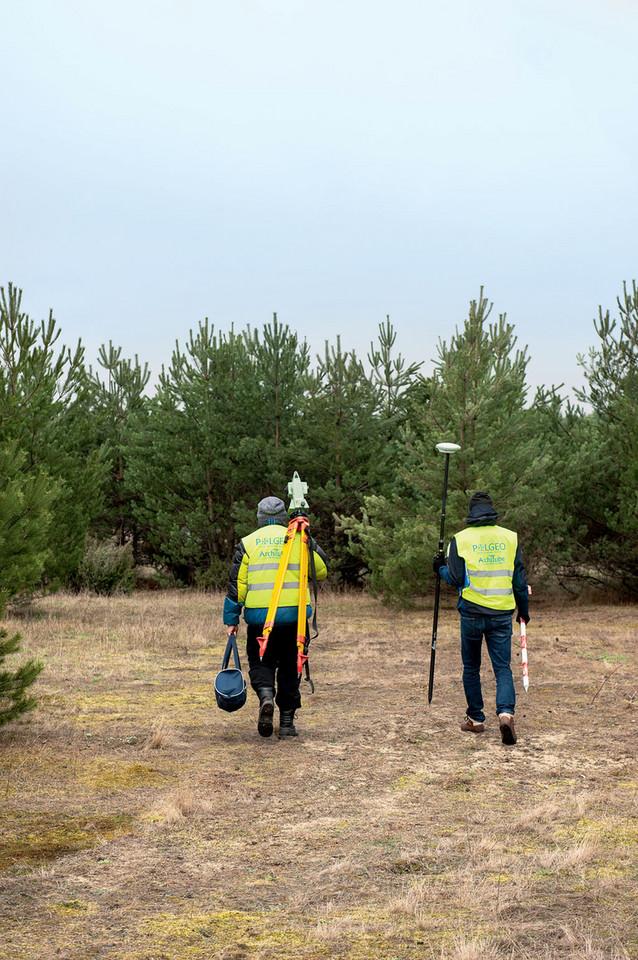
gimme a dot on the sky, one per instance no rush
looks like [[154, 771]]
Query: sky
[[334, 161]]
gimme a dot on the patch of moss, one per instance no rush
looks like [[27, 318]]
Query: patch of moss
[[102, 774], [73, 908], [28, 839], [607, 871], [620, 833], [357, 935], [196, 935], [97, 707], [413, 781]]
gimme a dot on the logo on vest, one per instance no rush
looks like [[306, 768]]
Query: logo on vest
[[269, 540], [490, 554]]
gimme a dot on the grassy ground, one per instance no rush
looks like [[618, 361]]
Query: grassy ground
[[140, 822]]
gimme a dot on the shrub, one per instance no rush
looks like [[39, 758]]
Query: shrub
[[106, 568], [215, 576]]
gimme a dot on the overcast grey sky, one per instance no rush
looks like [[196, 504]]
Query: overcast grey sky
[[334, 161]]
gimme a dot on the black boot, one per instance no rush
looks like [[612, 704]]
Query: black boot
[[266, 710], [287, 727]]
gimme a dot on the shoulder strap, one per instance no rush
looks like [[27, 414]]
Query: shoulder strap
[[313, 577]]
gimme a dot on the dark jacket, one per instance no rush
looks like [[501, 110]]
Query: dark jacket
[[484, 515]]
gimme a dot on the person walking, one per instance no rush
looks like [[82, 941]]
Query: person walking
[[485, 563], [250, 585]]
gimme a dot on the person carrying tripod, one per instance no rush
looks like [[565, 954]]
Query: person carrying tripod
[[485, 563], [250, 586]]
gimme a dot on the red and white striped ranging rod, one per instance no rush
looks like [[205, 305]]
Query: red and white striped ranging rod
[[524, 656], [524, 650]]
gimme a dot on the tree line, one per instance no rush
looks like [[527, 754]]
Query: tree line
[[97, 463]]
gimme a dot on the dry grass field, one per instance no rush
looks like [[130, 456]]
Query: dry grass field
[[140, 822]]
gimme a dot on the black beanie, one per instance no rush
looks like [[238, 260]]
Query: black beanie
[[481, 496]]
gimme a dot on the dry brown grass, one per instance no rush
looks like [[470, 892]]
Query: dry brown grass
[[139, 822]]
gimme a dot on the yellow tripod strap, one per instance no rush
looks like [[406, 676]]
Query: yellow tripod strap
[[296, 525]]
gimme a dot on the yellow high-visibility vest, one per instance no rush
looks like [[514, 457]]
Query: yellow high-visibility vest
[[256, 577], [489, 554]]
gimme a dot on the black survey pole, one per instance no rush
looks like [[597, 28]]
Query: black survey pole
[[447, 449]]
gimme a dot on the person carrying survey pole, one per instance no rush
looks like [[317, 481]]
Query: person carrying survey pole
[[485, 563], [269, 580]]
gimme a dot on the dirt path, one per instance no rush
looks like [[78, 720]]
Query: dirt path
[[141, 822]]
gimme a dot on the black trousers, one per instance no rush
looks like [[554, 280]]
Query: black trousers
[[280, 661]]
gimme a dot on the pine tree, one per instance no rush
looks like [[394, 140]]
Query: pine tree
[[575, 443], [44, 409], [194, 452], [602, 474], [390, 375], [477, 398], [343, 438], [281, 364], [116, 396], [26, 503], [14, 684]]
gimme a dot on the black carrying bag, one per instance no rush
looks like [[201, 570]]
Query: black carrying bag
[[230, 686]]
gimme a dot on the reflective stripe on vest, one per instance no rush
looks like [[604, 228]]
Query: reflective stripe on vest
[[271, 586], [263, 549], [489, 554]]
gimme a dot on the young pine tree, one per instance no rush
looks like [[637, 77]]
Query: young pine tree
[[476, 398], [14, 684], [281, 362], [605, 508], [26, 503], [116, 396], [343, 440], [192, 453], [44, 409]]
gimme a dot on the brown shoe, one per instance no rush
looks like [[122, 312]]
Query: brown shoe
[[472, 726], [508, 733]]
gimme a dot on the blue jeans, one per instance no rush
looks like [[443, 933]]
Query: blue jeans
[[497, 631]]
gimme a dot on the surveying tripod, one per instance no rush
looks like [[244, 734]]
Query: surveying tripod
[[297, 526]]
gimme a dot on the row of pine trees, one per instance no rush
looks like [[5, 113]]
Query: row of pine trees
[[100, 459]]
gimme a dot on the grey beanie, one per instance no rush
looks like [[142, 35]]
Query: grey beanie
[[271, 510]]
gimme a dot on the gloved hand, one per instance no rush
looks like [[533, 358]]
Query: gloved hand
[[438, 561], [524, 619]]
